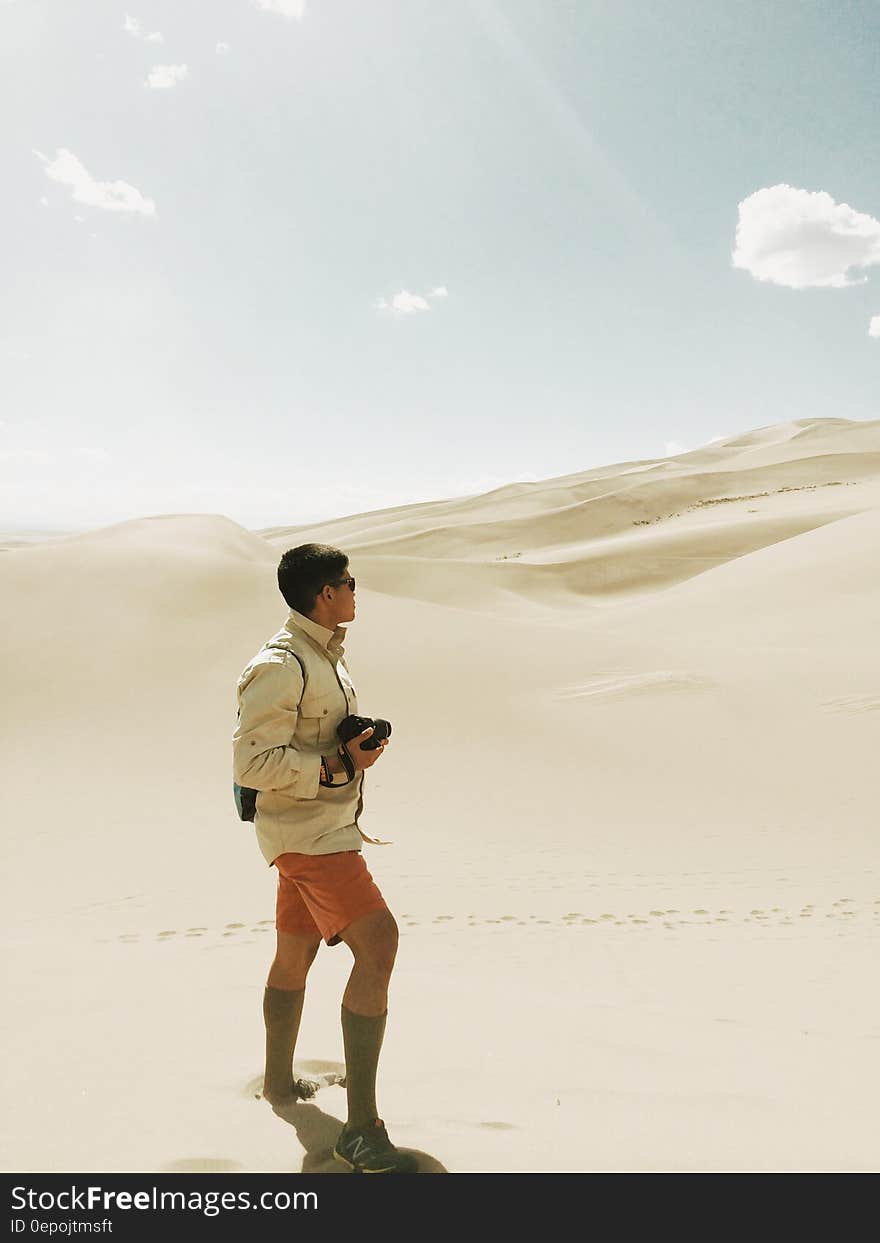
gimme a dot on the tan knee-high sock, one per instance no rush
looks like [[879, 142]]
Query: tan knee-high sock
[[282, 1010], [362, 1036]]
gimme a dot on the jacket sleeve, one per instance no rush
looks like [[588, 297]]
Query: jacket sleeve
[[262, 755]]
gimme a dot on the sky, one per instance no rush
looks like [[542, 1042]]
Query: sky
[[285, 260]]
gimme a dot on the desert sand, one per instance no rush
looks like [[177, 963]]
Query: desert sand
[[632, 794]]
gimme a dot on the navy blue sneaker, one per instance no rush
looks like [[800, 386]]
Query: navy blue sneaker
[[368, 1150]]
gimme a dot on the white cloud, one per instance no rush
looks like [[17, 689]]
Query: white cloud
[[287, 8], [803, 239], [44, 202], [132, 26], [874, 326], [109, 195], [222, 48], [406, 303], [163, 77]]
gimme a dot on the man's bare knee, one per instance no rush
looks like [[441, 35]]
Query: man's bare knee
[[373, 940], [294, 954]]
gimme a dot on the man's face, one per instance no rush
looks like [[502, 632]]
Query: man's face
[[345, 599]]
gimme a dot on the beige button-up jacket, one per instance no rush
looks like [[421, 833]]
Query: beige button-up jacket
[[286, 724]]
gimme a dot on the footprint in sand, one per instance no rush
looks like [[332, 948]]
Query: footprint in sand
[[854, 703], [237, 925], [325, 1074]]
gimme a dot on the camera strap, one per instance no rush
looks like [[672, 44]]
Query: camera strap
[[347, 761]]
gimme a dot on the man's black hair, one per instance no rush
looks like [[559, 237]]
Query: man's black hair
[[305, 570]]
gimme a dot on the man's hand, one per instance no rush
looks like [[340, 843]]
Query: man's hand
[[359, 757]]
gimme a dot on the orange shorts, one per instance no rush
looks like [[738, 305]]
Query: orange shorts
[[323, 894]]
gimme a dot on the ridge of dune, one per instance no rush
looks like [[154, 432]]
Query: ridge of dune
[[122, 597], [598, 534], [615, 511], [166, 533], [775, 442], [597, 572], [614, 532]]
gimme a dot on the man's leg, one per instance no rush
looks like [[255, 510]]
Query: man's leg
[[282, 1010], [372, 940]]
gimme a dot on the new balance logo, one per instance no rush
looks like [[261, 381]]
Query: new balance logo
[[359, 1146]]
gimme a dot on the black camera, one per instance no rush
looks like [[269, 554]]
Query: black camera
[[351, 726]]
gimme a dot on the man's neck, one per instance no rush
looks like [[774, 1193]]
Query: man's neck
[[329, 623]]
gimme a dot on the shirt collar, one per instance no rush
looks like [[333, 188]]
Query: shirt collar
[[321, 634]]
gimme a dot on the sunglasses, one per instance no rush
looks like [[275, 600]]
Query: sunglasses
[[350, 582]]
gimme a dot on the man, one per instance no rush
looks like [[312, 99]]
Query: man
[[291, 697]]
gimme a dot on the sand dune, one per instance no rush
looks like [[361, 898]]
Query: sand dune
[[524, 519], [631, 795]]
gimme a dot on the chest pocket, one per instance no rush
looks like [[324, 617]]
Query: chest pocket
[[321, 710]]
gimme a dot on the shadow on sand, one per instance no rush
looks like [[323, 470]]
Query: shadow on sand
[[317, 1132]]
